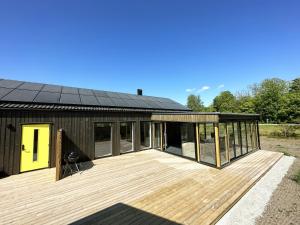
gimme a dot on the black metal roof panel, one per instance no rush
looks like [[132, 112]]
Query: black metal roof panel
[[20, 91]]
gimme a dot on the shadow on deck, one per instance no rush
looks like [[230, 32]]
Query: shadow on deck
[[123, 214]]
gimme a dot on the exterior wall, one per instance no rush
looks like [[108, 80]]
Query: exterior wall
[[78, 133]]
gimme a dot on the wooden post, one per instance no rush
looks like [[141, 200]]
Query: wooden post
[[218, 157], [58, 159], [198, 142]]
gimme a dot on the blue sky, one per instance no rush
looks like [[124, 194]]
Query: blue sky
[[165, 47]]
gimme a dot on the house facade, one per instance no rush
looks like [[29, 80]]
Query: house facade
[[99, 124]]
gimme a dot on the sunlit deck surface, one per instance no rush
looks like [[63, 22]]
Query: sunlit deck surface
[[148, 187]]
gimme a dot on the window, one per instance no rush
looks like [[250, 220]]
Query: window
[[145, 131], [244, 137], [157, 135], [126, 140], [103, 142], [35, 144], [223, 143], [249, 136], [231, 140], [207, 143], [237, 139], [254, 135], [188, 140]]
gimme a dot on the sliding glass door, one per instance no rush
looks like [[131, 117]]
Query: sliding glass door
[[157, 135], [145, 132], [126, 137], [103, 139]]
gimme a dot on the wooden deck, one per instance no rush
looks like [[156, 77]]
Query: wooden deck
[[148, 187]]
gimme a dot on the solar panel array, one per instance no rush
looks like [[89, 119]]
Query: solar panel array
[[19, 91]]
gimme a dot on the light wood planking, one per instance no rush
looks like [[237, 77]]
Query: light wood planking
[[148, 187]]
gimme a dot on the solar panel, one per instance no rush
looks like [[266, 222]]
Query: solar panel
[[69, 90], [4, 91], [52, 88], [120, 102], [85, 91], [70, 99], [31, 86], [20, 96], [113, 95], [11, 90], [47, 97], [105, 101], [88, 100], [10, 83], [100, 93]]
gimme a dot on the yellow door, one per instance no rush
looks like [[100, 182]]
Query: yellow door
[[35, 147]]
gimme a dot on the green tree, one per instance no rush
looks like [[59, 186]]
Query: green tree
[[269, 99], [194, 103], [295, 85], [225, 102]]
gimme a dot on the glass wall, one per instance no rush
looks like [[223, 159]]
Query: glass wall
[[126, 140], [231, 143], [145, 132], [157, 135], [188, 145], [207, 143], [102, 137], [254, 135], [223, 143], [249, 136], [244, 137], [237, 139]]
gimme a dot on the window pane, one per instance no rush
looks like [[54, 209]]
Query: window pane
[[254, 135], [207, 143], [145, 134], [126, 137], [237, 139], [223, 140], [244, 137], [157, 135], [231, 140], [188, 140], [35, 144], [249, 136], [103, 144]]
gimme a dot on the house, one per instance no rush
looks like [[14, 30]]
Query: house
[[100, 124]]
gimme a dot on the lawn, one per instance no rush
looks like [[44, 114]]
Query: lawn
[[280, 130]]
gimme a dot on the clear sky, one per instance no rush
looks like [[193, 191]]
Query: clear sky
[[165, 47]]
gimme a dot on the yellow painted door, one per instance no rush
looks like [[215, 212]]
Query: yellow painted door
[[35, 147]]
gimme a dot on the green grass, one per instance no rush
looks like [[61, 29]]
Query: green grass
[[297, 177], [285, 153], [271, 129]]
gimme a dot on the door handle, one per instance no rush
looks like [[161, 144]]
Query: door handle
[[23, 147]]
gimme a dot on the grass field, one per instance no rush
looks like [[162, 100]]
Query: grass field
[[273, 130]]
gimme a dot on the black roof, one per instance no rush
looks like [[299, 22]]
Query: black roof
[[37, 93]]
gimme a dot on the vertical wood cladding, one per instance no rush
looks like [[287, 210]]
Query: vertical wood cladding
[[78, 133]]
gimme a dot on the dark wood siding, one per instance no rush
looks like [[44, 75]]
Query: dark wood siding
[[78, 133]]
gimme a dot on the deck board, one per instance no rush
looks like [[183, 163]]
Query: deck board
[[144, 187]]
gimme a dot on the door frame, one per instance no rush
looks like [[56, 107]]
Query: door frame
[[50, 143]]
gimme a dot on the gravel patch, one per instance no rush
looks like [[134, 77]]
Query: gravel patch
[[253, 203]]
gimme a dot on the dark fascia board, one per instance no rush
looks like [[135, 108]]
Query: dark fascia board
[[64, 107]]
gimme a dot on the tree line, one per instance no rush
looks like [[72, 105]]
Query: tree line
[[276, 100]]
